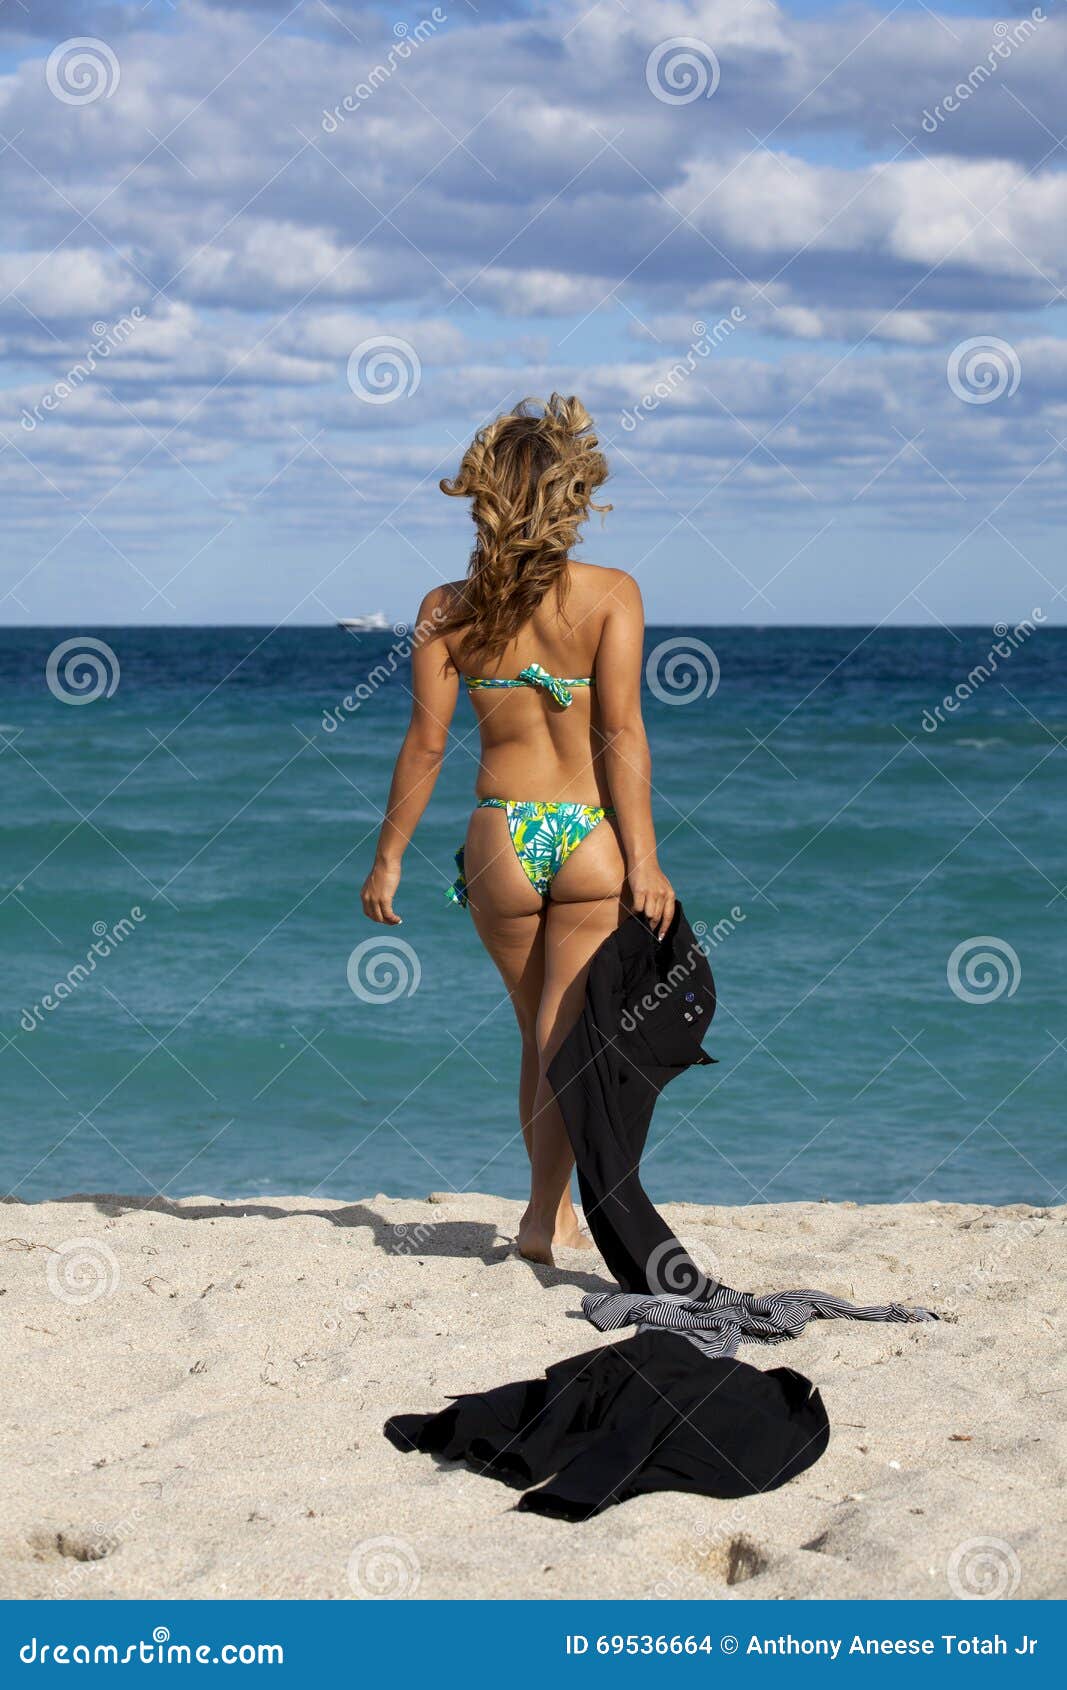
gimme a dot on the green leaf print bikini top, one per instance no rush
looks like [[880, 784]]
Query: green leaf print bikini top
[[558, 686]]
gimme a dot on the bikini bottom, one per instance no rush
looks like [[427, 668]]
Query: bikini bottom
[[544, 836]]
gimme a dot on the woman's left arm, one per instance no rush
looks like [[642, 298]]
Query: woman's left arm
[[435, 688]]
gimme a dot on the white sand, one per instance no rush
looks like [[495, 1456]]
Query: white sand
[[209, 1423]]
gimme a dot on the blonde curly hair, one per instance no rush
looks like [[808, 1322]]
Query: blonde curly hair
[[531, 475]]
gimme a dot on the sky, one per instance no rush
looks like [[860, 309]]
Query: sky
[[265, 266]]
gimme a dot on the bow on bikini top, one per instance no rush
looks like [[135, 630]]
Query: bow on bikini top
[[558, 686]]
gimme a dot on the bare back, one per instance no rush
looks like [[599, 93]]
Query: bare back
[[529, 748]]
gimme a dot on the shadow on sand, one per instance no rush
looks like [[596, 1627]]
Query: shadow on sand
[[478, 1239]]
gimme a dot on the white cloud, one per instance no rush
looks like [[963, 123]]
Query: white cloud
[[516, 203], [64, 285]]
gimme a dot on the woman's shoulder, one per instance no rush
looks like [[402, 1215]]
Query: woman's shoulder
[[440, 601], [613, 589]]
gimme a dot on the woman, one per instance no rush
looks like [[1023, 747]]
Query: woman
[[560, 846]]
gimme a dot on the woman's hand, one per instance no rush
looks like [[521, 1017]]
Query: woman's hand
[[652, 895], [379, 890]]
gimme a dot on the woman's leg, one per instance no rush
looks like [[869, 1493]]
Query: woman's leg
[[509, 917], [585, 907]]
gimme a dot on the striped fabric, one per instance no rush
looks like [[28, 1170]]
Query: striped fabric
[[719, 1323]]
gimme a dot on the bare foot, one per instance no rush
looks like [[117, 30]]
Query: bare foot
[[569, 1235], [535, 1244]]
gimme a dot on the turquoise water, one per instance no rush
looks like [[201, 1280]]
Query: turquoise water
[[220, 1048]]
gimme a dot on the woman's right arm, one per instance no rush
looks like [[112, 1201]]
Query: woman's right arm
[[434, 689], [625, 752]]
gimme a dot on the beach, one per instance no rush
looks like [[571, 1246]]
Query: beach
[[194, 1391]]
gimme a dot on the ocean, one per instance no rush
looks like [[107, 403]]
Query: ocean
[[880, 880]]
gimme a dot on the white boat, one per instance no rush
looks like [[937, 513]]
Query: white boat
[[376, 623]]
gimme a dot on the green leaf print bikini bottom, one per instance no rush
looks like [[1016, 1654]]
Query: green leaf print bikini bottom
[[544, 835]]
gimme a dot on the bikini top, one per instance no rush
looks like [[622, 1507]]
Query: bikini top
[[559, 686]]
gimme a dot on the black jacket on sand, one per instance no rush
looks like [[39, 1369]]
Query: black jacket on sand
[[648, 1004], [647, 1414]]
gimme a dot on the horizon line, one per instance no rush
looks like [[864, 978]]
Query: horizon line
[[756, 627]]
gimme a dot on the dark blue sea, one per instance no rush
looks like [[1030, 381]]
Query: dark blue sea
[[882, 888]]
